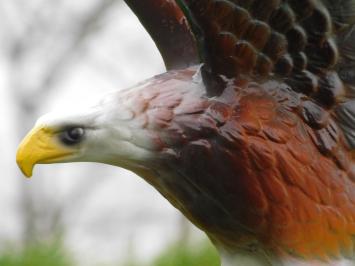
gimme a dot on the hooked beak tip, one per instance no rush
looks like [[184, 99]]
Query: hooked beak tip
[[25, 166]]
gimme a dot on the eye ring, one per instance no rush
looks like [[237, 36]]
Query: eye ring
[[72, 136]]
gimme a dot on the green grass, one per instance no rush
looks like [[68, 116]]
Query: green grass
[[203, 254], [37, 255], [200, 255]]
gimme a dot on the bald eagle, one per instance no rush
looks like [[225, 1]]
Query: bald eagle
[[250, 133]]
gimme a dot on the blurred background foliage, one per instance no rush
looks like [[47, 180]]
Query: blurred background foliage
[[54, 254], [203, 254], [40, 254]]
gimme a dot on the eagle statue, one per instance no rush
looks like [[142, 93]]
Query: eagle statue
[[250, 133]]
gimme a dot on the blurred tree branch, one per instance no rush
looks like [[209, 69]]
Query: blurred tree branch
[[86, 29], [21, 47]]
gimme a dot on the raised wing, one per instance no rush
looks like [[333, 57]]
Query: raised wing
[[309, 45], [168, 27]]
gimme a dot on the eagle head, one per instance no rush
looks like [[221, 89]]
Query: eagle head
[[105, 132]]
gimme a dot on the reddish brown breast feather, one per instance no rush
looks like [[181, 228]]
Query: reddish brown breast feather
[[252, 167]]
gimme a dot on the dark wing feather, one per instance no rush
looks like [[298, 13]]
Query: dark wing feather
[[343, 13], [307, 44], [290, 40], [169, 29]]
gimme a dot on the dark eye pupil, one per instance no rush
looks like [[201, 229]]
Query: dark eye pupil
[[75, 133], [72, 135]]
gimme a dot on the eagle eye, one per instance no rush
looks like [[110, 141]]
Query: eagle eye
[[72, 136]]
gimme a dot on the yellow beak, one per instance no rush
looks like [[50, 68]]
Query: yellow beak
[[40, 146]]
